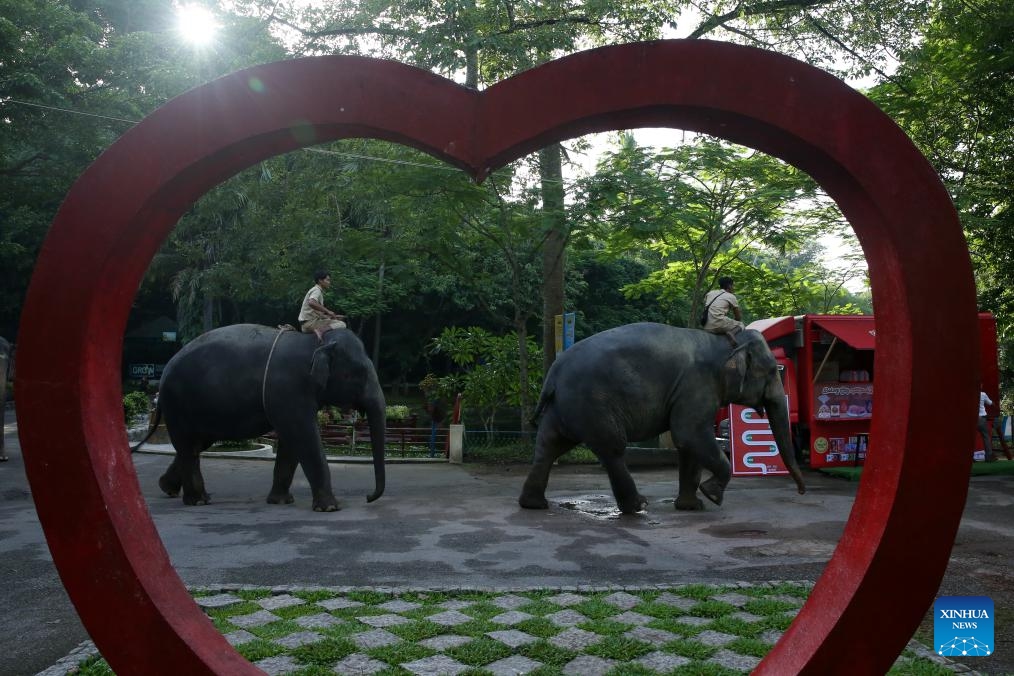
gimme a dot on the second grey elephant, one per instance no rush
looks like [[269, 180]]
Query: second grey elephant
[[636, 381], [241, 381]]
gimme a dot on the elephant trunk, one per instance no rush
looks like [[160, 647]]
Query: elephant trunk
[[778, 418], [376, 414]]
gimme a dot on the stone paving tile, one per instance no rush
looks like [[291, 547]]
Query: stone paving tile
[[733, 599], [445, 642], [681, 602], [511, 602], [318, 621], [511, 617], [566, 618], [437, 665], [258, 619], [771, 636], [274, 666], [588, 665], [512, 637], [450, 618], [566, 599], [622, 600], [693, 621], [512, 666], [339, 603], [358, 664], [218, 600], [791, 613], [455, 604], [656, 637], [663, 662], [575, 639], [744, 616], [389, 620], [375, 639], [298, 639], [715, 639], [630, 617], [731, 660], [399, 606], [280, 601], [239, 637]]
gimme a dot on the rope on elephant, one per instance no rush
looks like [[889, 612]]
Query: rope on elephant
[[264, 381]]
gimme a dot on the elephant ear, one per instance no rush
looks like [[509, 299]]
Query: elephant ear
[[735, 370], [320, 369]]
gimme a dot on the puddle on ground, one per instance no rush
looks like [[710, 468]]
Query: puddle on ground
[[602, 507]]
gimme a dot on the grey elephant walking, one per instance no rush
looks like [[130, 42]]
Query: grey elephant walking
[[241, 381], [5, 360], [636, 381]]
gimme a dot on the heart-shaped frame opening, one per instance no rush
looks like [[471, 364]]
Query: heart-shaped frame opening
[[894, 551]]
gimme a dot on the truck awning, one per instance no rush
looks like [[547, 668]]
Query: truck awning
[[859, 332]]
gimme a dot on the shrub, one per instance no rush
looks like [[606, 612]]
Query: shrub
[[399, 411], [135, 404]]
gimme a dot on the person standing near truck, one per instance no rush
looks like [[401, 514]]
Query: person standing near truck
[[718, 305], [987, 437]]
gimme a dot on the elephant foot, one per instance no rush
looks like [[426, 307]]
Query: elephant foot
[[328, 504], [689, 504], [280, 499], [533, 501], [197, 500], [169, 487], [638, 504], [713, 490]]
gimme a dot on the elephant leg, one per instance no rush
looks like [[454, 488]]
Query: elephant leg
[[628, 499], [550, 444], [171, 480], [285, 469], [707, 452], [194, 491], [185, 471], [689, 477], [302, 437]]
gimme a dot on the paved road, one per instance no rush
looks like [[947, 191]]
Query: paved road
[[442, 525]]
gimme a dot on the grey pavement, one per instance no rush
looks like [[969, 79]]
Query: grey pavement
[[445, 526]]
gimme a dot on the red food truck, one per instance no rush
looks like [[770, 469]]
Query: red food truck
[[827, 368]]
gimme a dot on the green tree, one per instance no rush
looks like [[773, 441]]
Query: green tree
[[954, 95], [706, 208]]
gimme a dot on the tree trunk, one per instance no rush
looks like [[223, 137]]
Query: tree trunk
[[208, 314], [526, 404], [376, 326], [554, 220]]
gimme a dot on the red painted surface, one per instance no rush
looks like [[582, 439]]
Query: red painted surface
[[894, 550]]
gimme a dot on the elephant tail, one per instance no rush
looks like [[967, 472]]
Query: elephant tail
[[151, 430], [548, 393]]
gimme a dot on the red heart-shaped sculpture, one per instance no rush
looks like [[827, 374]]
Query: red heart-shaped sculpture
[[895, 547]]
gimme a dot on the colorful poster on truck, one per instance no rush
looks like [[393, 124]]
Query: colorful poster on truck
[[752, 444]]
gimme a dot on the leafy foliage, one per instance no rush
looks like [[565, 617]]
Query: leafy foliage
[[489, 375]]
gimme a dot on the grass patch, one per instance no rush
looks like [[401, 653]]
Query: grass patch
[[419, 630], [400, 653], [95, 666], [620, 648], [712, 609], [260, 649], [547, 653], [324, 653], [689, 648], [596, 609], [482, 651]]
